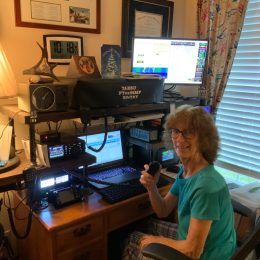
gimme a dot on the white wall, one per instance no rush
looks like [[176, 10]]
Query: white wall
[[23, 52]]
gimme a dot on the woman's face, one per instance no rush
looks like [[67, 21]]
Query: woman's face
[[184, 142]]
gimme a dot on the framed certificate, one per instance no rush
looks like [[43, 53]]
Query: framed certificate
[[68, 15], [61, 48], [145, 18]]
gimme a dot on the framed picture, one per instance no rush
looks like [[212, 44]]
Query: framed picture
[[146, 18], [61, 48], [69, 15]]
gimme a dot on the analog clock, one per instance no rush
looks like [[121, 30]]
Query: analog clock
[[43, 98]]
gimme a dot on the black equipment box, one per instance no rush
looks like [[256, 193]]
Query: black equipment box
[[146, 152], [105, 93], [71, 147]]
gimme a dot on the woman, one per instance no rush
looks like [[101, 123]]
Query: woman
[[206, 220]]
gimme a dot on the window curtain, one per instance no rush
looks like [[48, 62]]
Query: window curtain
[[219, 21]]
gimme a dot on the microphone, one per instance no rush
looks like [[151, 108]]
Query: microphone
[[153, 167]]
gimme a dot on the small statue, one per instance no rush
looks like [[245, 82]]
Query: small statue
[[43, 67]]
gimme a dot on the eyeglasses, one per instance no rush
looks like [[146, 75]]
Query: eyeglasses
[[187, 133]]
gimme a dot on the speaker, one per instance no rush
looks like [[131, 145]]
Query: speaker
[[43, 97]]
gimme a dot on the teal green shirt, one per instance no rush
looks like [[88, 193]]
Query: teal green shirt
[[205, 195]]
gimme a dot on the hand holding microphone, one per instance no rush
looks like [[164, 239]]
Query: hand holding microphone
[[154, 167], [150, 175]]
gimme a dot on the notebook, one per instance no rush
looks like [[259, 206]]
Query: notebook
[[110, 163]]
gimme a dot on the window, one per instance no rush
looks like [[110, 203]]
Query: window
[[238, 116]]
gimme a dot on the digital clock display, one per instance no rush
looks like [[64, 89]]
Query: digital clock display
[[64, 49]]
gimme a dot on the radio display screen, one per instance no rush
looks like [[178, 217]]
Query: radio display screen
[[50, 182], [45, 183], [61, 179], [56, 151]]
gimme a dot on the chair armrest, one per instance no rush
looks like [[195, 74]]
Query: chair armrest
[[162, 252]]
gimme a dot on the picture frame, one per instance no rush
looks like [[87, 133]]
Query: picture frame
[[60, 48], [145, 18], [72, 15]]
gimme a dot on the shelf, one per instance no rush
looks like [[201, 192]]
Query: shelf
[[24, 117]]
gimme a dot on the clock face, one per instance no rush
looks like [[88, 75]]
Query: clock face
[[63, 49], [43, 98]]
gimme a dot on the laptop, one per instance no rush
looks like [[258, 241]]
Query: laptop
[[110, 166]]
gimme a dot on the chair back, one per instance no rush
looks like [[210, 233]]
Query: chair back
[[251, 243]]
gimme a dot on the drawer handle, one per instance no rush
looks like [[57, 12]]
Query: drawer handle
[[78, 232], [83, 256], [144, 205]]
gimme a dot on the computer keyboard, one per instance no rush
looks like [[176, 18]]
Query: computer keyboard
[[116, 193], [109, 173]]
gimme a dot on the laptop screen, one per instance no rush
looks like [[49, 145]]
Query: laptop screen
[[111, 153]]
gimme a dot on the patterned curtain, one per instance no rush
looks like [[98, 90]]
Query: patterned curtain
[[221, 22]]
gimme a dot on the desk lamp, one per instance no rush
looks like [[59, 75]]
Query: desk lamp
[[8, 88]]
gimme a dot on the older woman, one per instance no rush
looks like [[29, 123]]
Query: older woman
[[206, 221]]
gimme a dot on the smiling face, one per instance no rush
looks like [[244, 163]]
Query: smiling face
[[185, 142], [204, 140]]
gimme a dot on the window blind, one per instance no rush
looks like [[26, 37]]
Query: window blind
[[238, 115]]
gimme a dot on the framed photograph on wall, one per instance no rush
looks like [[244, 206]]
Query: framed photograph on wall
[[72, 15], [61, 48], [145, 18]]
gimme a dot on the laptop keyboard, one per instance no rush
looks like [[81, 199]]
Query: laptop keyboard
[[116, 193], [116, 171]]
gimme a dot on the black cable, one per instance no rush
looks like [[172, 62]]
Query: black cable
[[9, 121], [28, 227], [58, 125], [49, 125], [104, 140], [30, 180], [7, 245], [172, 87]]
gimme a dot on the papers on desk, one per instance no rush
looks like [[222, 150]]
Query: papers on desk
[[5, 143], [248, 195], [41, 153], [138, 117], [171, 175]]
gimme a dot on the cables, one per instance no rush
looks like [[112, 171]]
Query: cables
[[104, 140], [170, 95], [10, 120], [30, 180]]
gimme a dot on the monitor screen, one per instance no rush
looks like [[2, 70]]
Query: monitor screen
[[167, 157], [179, 61], [112, 151]]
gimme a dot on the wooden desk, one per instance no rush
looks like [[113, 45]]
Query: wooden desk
[[78, 231], [15, 175]]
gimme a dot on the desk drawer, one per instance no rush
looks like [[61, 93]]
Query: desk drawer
[[78, 234], [92, 251], [129, 213]]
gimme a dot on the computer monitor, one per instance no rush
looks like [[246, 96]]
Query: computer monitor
[[179, 61], [111, 153], [167, 157]]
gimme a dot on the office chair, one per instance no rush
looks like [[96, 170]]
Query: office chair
[[252, 242]]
